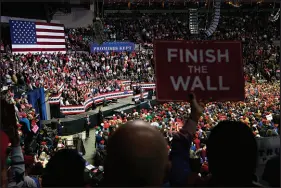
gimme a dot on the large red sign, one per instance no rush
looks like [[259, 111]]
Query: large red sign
[[210, 69]]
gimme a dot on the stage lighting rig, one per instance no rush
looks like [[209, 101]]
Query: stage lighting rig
[[98, 30]]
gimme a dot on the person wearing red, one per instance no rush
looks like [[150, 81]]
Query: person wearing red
[[203, 152], [196, 141], [106, 125]]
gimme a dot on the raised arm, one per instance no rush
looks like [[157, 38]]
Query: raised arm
[[196, 111], [181, 143], [9, 124], [18, 167]]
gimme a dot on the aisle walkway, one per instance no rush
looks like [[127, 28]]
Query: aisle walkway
[[89, 144]]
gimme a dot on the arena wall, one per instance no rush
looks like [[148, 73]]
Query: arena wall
[[78, 17]]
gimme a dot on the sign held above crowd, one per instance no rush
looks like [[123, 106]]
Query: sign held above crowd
[[210, 69]]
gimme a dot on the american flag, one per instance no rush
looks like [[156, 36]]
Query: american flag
[[37, 37]]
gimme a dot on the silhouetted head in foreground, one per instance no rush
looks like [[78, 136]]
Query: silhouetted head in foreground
[[232, 154], [65, 169], [136, 156]]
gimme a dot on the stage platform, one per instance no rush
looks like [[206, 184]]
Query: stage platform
[[120, 104], [73, 124]]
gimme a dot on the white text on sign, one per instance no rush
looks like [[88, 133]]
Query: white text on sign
[[191, 83], [198, 55]]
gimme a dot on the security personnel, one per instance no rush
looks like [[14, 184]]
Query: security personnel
[[87, 126]]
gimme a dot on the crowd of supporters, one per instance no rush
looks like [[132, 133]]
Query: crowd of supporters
[[136, 153]]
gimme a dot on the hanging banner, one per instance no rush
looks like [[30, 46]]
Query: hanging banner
[[113, 46]]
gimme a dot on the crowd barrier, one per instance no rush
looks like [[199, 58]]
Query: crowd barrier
[[137, 97], [142, 85]]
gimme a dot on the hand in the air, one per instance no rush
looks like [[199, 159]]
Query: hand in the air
[[196, 108]]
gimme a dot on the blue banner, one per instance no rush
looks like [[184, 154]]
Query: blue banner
[[113, 46]]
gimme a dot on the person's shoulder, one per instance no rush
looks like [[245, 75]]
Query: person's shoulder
[[256, 184], [180, 135], [29, 182], [275, 158]]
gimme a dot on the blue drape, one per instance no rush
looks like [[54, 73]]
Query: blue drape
[[36, 98]]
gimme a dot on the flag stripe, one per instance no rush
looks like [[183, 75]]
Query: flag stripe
[[49, 24], [51, 43], [25, 47], [50, 30], [39, 40], [49, 27], [27, 52], [37, 37], [39, 49], [49, 34], [47, 37]]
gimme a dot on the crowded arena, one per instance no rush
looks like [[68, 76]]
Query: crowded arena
[[93, 93]]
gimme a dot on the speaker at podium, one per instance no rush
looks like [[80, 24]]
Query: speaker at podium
[[150, 94]]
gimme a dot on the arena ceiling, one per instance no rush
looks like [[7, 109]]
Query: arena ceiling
[[41, 10]]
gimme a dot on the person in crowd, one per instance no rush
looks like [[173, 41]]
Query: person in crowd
[[99, 138], [4, 145], [98, 177], [101, 145], [77, 77], [138, 141], [59, 127], [65, 169], [271, 172], [33, 170], [181, 146], [36, 173], [239, 147], [94, 105], [42, 158], [99, 156], [100, 117], [15, 175], [87, 125]]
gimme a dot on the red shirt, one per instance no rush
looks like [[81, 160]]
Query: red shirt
[[203, 154], [196, 141], [106, 125]]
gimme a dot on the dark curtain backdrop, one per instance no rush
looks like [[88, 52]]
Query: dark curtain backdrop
[[36, 98]]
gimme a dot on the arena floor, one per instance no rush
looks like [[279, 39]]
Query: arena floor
[[89, 144]]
